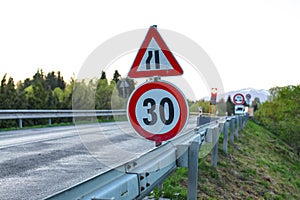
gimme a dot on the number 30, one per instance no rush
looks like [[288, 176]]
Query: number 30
[[162, 104]]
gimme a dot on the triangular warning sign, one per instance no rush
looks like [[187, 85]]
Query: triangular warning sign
[[154, 58]]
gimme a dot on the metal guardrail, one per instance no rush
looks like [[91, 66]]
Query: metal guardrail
[[49, 114], [138, 177]]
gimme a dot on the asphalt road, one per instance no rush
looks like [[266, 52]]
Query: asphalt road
[[36, 163]]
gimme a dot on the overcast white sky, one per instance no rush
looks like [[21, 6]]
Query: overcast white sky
[[252, 43]]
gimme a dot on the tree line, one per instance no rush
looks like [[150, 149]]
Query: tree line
[[281, 114], [51, 91]]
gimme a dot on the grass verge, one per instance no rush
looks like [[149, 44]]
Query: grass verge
[[257, 166]]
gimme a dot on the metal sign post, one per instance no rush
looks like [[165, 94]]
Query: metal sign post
[[124, 85]]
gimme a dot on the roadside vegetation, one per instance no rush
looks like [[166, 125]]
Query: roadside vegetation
[[281, 114], [50, 91], [258, 166], [263, 163]]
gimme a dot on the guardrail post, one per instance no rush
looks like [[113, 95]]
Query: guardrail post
[[49, 121], [193, 170], [244, 121], [225, 140], [237, 127], [20, 123], [215, 143], [232, 131], [208, 136], [241, 122]]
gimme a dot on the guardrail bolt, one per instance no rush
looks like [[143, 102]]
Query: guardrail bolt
[[147, 184], [134, 164], [142, 188], [147, 174], [142, 177]]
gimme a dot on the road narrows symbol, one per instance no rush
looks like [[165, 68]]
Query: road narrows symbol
[[154, 58]]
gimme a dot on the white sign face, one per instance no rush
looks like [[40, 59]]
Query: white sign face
[[157, 110], [238, 99], [154, 59], [239, 109]]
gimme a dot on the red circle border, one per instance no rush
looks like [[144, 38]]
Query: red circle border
[[178, 96], [236, 102]]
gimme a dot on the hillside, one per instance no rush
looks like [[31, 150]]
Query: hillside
[[260, 93], [258, 166]]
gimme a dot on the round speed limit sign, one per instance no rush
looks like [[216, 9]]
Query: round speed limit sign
[[238, 99], [157, 110]]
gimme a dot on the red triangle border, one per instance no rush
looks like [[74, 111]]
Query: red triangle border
[[153, 33]]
